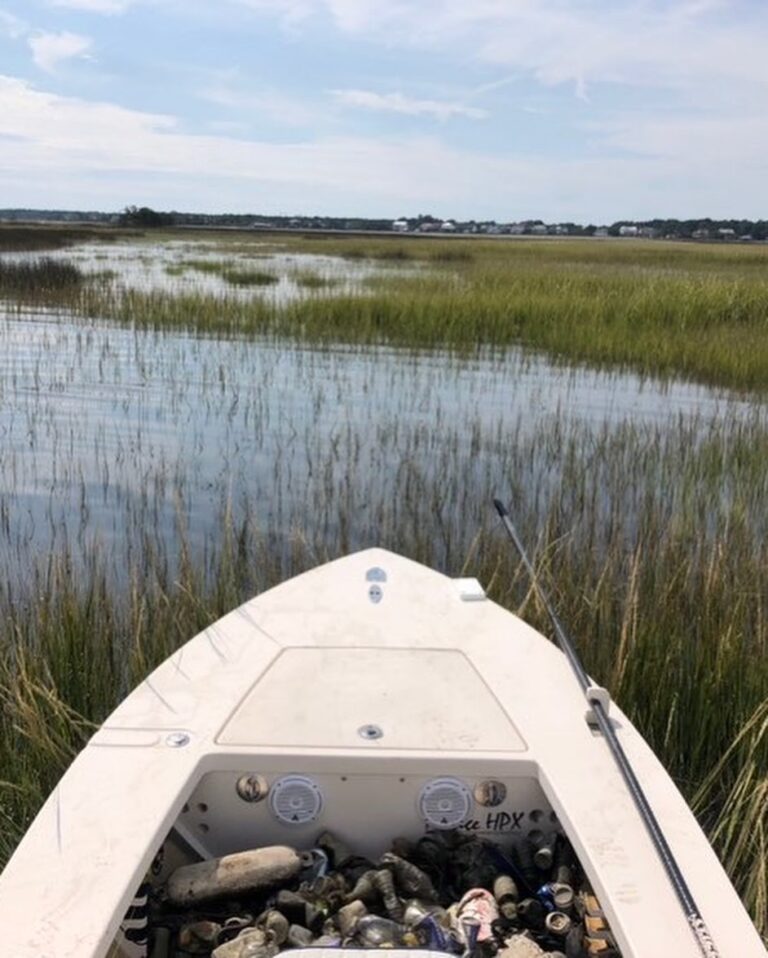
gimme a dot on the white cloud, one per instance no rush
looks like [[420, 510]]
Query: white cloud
[[94, 6], [677, 46], [290, 12], [677, 91], [702, 141], [229, 126], [397, 103], [11, 25], [580, 42], [50, 49], [59, 146], [230, 90]]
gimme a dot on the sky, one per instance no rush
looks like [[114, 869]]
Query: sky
[[565, 110]]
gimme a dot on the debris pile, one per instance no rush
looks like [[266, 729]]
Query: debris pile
[[446, 892]]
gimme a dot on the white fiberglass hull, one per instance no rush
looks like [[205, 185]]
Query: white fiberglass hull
[[450, 683]]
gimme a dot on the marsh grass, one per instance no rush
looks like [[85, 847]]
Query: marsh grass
[[214, 267], [234, 275], [449, 255], [306, 279], [38, 277], [665, 309], [49, 237], [249, 277]]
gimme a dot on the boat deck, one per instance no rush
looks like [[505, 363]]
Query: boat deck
[[455, 685]]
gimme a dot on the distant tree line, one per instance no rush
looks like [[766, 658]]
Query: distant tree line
[[756, 229], [143, 217]]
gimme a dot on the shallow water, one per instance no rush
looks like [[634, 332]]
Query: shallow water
[[179, 267], [106, 433]]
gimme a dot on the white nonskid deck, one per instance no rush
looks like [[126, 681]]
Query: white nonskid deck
[[285, 682]]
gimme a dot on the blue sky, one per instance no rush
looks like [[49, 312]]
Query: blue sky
[[586, 110]]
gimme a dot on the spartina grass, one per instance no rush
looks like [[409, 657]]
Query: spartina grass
[[306, 279], [666, 310], [38, 277], [50, 237], [250, 277]]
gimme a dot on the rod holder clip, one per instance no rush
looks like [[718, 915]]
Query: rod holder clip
[[596, 694]]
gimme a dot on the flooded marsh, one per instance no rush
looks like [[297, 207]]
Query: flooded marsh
[[206, 270], [172, 442]]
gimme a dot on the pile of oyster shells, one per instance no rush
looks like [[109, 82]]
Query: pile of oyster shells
[[447, 892]]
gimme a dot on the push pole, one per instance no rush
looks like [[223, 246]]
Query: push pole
[[597, 699]]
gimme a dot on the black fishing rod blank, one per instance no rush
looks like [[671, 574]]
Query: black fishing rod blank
[[598, 702]]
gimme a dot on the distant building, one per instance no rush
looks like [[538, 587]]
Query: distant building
[[447, 226], [400, 226], [601, 232], [629, 231], [539, 230], [700, 234], [726, 234]]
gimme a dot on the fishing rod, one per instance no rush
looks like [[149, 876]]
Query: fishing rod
[[598, 701]]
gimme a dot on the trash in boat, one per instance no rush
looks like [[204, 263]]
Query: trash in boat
[[446, 892], [243, 872]]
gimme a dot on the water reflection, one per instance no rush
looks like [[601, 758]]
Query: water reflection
[[106, 433], [180, 267]]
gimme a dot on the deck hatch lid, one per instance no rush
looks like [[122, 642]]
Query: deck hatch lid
[[419, 698]]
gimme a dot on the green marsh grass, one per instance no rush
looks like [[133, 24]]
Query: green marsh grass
[[696, 312], [18, 238], [235, 275], [250, 277], [215, 267], [306, 279], [42, 277]]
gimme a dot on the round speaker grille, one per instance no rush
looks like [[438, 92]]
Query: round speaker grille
[[295, 800], [445, 803]]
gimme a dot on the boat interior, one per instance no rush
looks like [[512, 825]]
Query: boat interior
[[367, 811]]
